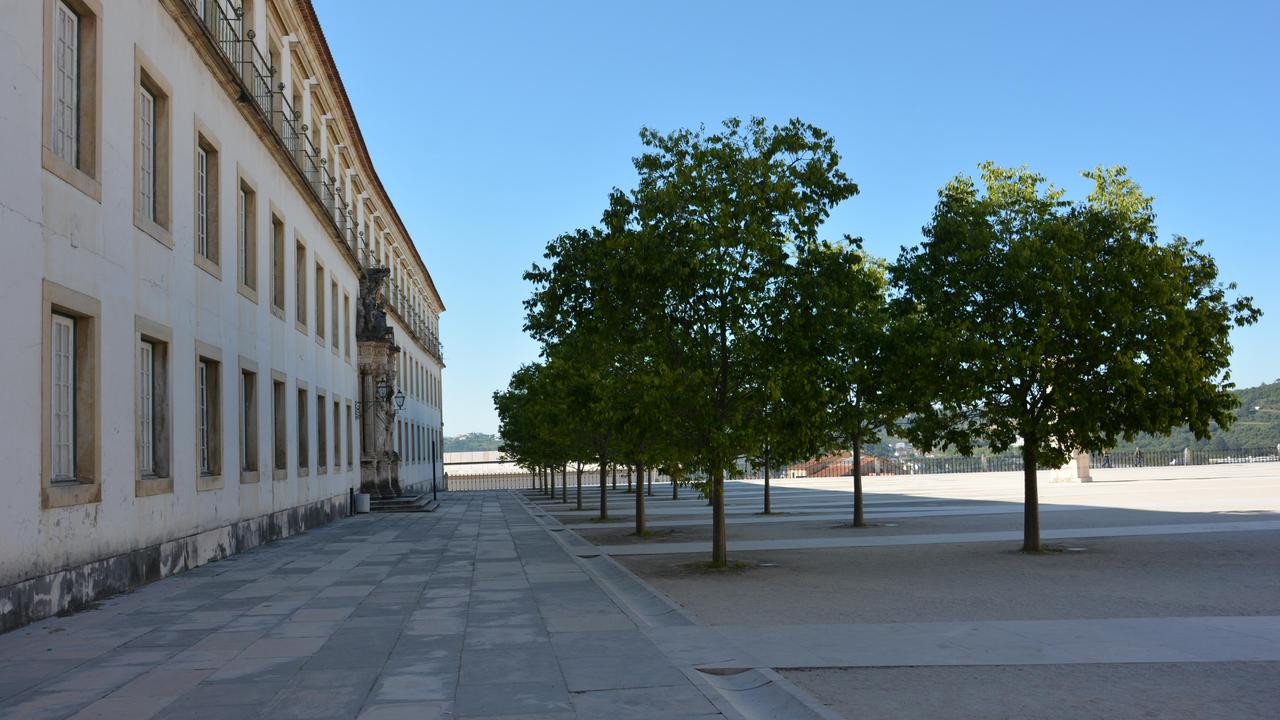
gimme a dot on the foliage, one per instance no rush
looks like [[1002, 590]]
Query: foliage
[[729, 208], [1256, 425], [840, 323], [1067, 325], [657, 322]]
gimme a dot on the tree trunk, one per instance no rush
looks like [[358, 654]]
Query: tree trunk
[[579, 506], [564, 484], [552, 478], [604, 489], [640, 500], [650, 476], [1031, 503], [719, 543], [859, 520], [628, 478], [768, 507], [675, 488], [615, 477]]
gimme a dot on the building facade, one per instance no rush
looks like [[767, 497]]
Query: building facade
[[188, 211]]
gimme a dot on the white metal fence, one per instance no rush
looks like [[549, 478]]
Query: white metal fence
[[489, 481]]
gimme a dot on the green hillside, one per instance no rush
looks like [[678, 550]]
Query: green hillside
[[471, 442], [1257, 425]]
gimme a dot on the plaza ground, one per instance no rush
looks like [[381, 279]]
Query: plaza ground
[[470, 612], [1162, 598]]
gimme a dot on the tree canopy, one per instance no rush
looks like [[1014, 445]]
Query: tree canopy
[[703, 320], [1061, 325]]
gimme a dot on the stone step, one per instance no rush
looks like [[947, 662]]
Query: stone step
[[404, 503]]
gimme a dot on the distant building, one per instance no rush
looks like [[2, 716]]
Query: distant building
[[188, 209]]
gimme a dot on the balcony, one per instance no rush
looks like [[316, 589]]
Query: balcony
[[223, 24]]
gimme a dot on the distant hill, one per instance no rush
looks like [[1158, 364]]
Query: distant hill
[[471, 442], [1257, 425]]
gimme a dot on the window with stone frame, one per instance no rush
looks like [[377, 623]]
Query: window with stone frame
[[335, 338], [248, 421], [66, 83], [321, 286], [300, 286], [346, 325], [279, 426], [208, 416], [322, 435], [277, 264], [247, 239], [72, 112], [153, 411], [350, 433], [70, 463], [63, 363], [152, 166], [208, 245], [337, 434], [304, 431]]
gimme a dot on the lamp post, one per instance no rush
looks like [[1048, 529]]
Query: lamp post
[[382, 393]]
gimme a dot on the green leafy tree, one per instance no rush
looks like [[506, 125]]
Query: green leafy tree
[[726, 208], [841, 324], [527, 409], [1060, 325], [589, 309]]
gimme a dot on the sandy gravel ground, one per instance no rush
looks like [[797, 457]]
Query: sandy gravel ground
[[1173, 691], [885, 525], [1236, 573]]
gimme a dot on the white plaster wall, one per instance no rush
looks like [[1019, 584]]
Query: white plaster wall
[[51, 230]]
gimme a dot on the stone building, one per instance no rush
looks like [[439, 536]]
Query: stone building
[[189, 214]]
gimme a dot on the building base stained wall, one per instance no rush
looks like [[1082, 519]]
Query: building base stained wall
[[76, 588]]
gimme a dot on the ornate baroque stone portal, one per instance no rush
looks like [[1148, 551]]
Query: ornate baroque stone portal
[[377, 349]]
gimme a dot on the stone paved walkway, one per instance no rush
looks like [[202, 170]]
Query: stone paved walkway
[[470, 612]]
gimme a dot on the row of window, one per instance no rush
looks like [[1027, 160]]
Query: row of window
[[72, 397], [416, 443], [332, 314], [422, 384], [152, 207]]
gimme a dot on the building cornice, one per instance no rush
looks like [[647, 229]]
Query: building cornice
[[312, 26]]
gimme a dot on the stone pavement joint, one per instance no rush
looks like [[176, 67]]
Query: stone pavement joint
[[474, 611]]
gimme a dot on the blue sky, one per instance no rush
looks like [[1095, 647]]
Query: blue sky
[[496, 126]]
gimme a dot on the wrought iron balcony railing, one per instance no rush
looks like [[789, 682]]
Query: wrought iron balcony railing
[[224, 24]]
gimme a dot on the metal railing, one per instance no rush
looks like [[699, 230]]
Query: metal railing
[[490, 481], [224, 22], [1189, 456], [258, 75]]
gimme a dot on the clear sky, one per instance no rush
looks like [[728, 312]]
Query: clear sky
[[496, 126]]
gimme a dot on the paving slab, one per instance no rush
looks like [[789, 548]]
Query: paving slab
[[474, 611]]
